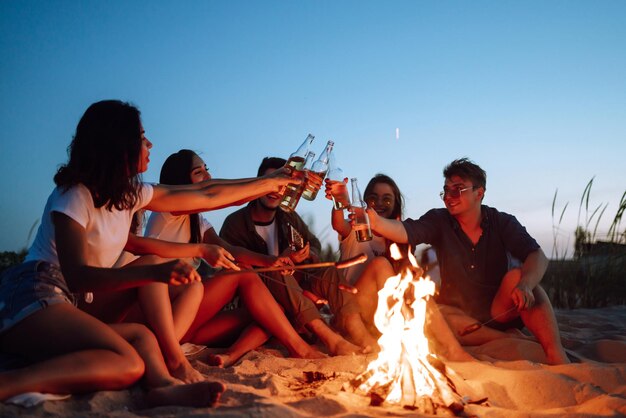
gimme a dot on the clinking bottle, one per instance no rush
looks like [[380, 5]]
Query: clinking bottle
[[361, 224], [296, 163], [293, 192], [318, 169]]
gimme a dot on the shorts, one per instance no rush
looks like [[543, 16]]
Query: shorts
[[28, 288]]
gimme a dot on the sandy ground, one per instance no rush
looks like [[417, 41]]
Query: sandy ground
[[266, 384]]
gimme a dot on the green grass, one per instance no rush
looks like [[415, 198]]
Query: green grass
[[596, 274]]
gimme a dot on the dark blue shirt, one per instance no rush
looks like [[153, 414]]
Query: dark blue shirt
[[471, 274]]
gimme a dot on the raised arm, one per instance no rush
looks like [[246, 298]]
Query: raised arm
[[391, 229], [215, 195], [71, 245]]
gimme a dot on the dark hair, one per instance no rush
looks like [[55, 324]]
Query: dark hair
[[270, 162], [467, 170], [398, 199], [104, 155], [177, 170]]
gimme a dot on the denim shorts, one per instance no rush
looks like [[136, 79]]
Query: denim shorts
[[28, 288]]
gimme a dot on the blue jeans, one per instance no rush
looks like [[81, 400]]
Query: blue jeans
[[28, 288]]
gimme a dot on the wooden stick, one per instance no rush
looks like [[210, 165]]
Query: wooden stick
[[361, 258]]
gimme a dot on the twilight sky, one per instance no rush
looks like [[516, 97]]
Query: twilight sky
[[534, 92]]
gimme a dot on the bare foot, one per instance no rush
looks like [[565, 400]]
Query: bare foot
[[185, 372], [344, 348], [557, 356], [218, 360], [312, 353], [197, 395]]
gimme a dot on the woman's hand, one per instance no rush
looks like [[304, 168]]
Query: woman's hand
[[282, 177], [177, 272], [217, 256], [337, 191]]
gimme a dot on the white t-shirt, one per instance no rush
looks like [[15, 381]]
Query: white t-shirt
[[106, 230], [350, 247], [168, 227], [270, 236]]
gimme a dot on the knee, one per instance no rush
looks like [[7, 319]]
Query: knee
[[250, 279], [128, 369], [141, 336]]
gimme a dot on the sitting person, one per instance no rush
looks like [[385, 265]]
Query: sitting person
[[212, 326], [474, 245], [83, 231], [264, 229], [381, 194]]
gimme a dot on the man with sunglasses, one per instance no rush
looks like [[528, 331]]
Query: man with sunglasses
[[478, 248]]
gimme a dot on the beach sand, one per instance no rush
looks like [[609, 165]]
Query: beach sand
[[508, 373]]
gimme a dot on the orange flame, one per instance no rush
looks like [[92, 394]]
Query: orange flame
[[402, 367]]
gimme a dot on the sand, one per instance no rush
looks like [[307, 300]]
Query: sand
[[266, 384]]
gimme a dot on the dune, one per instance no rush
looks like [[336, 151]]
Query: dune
[[508, 373]]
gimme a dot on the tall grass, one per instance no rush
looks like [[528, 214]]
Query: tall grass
[[596, 275]]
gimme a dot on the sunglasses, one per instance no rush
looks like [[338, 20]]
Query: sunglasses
[[455, 193], [373, 201]]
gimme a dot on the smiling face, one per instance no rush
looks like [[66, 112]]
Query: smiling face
[[144, 155], [199, 171], [381, 199], [469, 199]]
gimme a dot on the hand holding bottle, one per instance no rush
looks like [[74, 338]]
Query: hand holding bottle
[[361, 222], [281, 178], [338, 185], [337, 191], [317, 172]]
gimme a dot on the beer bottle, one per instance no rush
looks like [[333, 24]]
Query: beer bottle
[[292, 193], [296, 164], [319, 169], [361, 224], [339, 194]]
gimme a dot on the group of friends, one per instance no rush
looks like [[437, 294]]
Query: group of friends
[[100, 305]]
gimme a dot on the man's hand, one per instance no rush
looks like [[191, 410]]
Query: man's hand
[[522, 297], [314, 181], [283, 260], [297, 256], [217, 256], [337, 191]]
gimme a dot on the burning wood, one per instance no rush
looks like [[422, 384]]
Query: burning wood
[[405, 372]]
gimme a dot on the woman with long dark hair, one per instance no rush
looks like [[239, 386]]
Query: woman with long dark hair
[[212, 325], [84, 228]]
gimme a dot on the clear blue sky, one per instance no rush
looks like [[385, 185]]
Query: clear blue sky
[[534, 92]]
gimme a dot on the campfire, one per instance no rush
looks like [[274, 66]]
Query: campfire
[[405, 373]]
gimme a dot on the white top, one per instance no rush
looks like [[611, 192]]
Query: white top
[[173, 228], [270, 236], [168, 227], [106, 230], [350, 247]]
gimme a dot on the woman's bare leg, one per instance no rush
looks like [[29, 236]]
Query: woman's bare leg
[[220, 289], [157, 309], [169, 323], [76, 353], [164, 389], [371, 280]]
